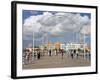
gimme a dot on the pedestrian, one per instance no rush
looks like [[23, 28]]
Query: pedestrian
[[55, 52], [30, 57], [26, 58], [49, 52], [35, 54], [89, 55], [62, 53], [77, 54], [38, 55], [72, 55]]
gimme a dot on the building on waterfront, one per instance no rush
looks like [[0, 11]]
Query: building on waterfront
[[52, 46], [63, 46], [57, 45], [75, 46]]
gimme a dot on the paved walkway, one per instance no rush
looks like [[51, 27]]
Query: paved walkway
[[56, 62]]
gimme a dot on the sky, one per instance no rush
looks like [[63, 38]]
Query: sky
[[52, 26]]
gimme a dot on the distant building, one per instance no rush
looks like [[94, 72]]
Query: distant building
[[63, 46], [57, 45], [75, 46], [51, 45]]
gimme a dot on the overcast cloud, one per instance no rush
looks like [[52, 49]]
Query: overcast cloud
[[58, 24]]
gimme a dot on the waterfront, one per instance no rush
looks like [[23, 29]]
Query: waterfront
[[57, 62]]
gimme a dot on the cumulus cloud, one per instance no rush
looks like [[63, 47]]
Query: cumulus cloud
[[31, 25], [86, 30], [57, 24]]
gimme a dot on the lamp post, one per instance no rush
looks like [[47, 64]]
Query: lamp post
[[33, 47], [84, 43]]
